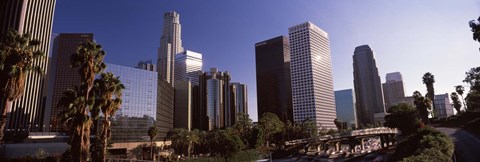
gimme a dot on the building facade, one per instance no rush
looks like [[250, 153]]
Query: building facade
[[170, 45], [311, 75], [274, 92], [393, 90], [368, 89], [443, 106], [147, 65], [238, 100], [139, 107], [165, 107], [183, 105], [188, 66], [62, 76], [34, 17], [345, 106]]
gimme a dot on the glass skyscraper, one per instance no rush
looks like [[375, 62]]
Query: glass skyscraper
[[311, 73], [345, 106], [188, 66], [139, 107]]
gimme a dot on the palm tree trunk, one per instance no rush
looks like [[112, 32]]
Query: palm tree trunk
[[464, 106], [104, 137], [151, 150], [4, 117]]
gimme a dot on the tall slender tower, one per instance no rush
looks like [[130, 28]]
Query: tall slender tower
[[170, 45], [311, 73], [34, 17], [368, 88]]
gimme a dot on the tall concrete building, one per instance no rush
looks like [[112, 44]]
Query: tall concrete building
[[165, 107], [345, 106], [34, 17], [238, 100], [311, 73], [170, 45], [368, 89], [183, 105], [274, 91], [443, 106], [62, 76], [138, 111], [393, 90], [147, 65], [188, 66], [214, 97]]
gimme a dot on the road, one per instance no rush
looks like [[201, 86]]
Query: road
[[467, 145]]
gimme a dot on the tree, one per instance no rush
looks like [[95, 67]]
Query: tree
[[473, 97], [243, 126], [475, 26], [456, 103], [192, 139], [152, 133], [17, 57], [404, 117], [270, 124], [428, 79], [338, 124], [108, 99], [179, 140], [460, 90], [226, 143], [423, 105]]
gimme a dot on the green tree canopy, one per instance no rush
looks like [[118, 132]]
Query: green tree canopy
[[404, 117], [455, 101]]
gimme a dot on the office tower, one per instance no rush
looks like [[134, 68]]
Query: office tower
[[165, 107], [170, 45], [183, 105], [345, 106], [443, 106], [393, 89], [238, 100], [138, 111], [188, 66], [34, 17], [368, 89], [311, 73], [62, 76], [214, 91], [147, 65], [274, 91]]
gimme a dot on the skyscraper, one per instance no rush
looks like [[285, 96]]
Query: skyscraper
[[165, 106], [170, 45], [188, 66], [34, 17], [368, 89], [147, 65], [238, 100], [62, 77], [393, 89], [274, 92], [311, 73], [183, 105], [214, 95], [345, 106]]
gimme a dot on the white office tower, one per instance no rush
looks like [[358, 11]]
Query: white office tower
[[311, 74], [188, 66], [170, 44]]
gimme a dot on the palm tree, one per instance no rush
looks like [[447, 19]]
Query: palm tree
[[17, 56], [108, 93], [422, 104], [428, 79], [89, 60], [456, 103], [192, 139], [152, 133], [460, 90]]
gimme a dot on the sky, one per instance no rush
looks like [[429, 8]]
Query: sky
[[408, 36]]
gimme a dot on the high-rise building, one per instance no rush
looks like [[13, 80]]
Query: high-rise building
[[274, 92], [345, 106], [165, 107], [443, 106], [311, 74], [188, 66], [183, 105], [138, 111], [214, 97], [368, 89], [170, 45], [34, 17], [147, 65], [393, 89], [62, 76], [238, 100]]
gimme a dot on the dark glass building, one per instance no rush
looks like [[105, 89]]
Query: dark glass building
[[165, 106], [61, 76], [274, 92]]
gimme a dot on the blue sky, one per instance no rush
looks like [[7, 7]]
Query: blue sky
[[412, 37]]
